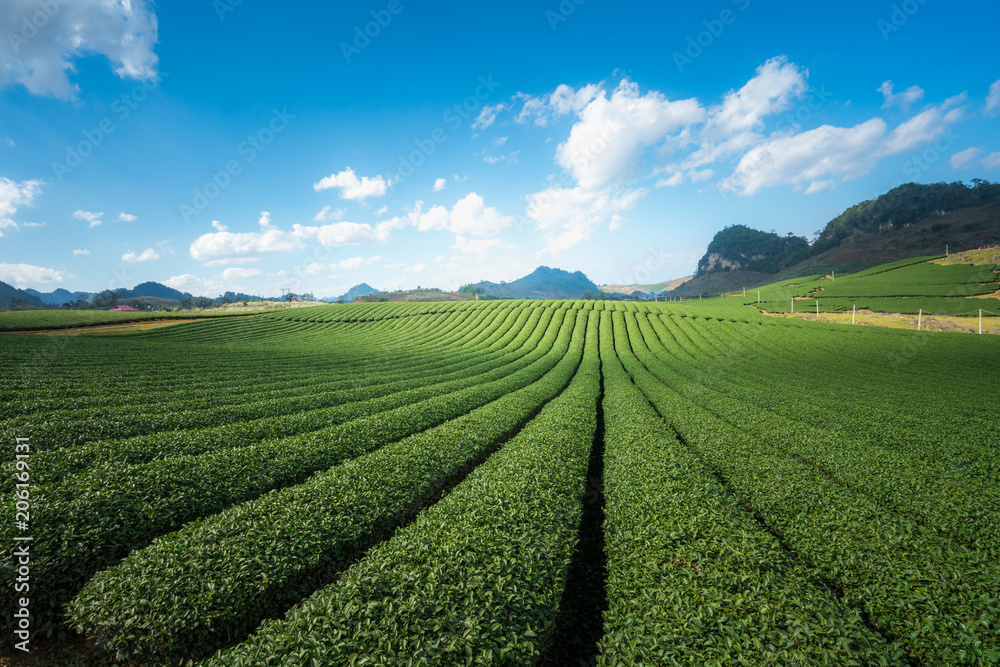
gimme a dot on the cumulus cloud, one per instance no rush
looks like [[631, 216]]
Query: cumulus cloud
[[146, 255], [93, 219], [469, 215], [26, 275], [963, 159], [352, 187], [613, 132], [570, 215], [440, 184], [738, 123], [328, 213], [354, 233], [356, 262], [43, 40], [13, 195], [904, 99], [819, 159], [992, 161], [127, 217], [193, 284], [219, 227], [540, 111], [925, 127], [993, 99], [81, 251], [809, 158], [235, 274], [225, 247]]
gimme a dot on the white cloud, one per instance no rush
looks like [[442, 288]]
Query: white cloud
[[540, 111], [14, 195], [382, 211], [94, 219], [903, 99], [40, 45], [81, 251], [616, 222], [993, 99], [147, 255], [192, 284], [963, 159], [416, 268], [820, 158], [487, 116], [773, 88], [925, 127], [343, 233], [477, 247], [225, 247], [612, 133], [236, 274], [440, 184], [351, 187], [27, 275], [992, 161], [219, 226], [356, 262], [469, 215], [570, 215], [809, 158], [737, 124], [127, 217], [328, 213]]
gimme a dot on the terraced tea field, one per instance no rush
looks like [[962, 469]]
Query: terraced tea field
[[509, 482]]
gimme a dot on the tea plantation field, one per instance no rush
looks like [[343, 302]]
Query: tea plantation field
[[509, 482]]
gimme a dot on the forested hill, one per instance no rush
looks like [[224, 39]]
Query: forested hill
[[909, 220]]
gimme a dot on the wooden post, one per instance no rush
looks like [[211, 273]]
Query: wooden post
[[854, 315], [744, 291], [758, 296], [833, 276], [920, 316], [793, 304], [980, 320], [817, 309]]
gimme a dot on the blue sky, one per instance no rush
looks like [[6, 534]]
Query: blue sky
[[239, 145]]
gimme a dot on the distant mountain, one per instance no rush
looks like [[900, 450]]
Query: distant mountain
[[647, 290], [908, 221], [356, 292], [157, 290], [12, 296], [60, 296], [542, 283]]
